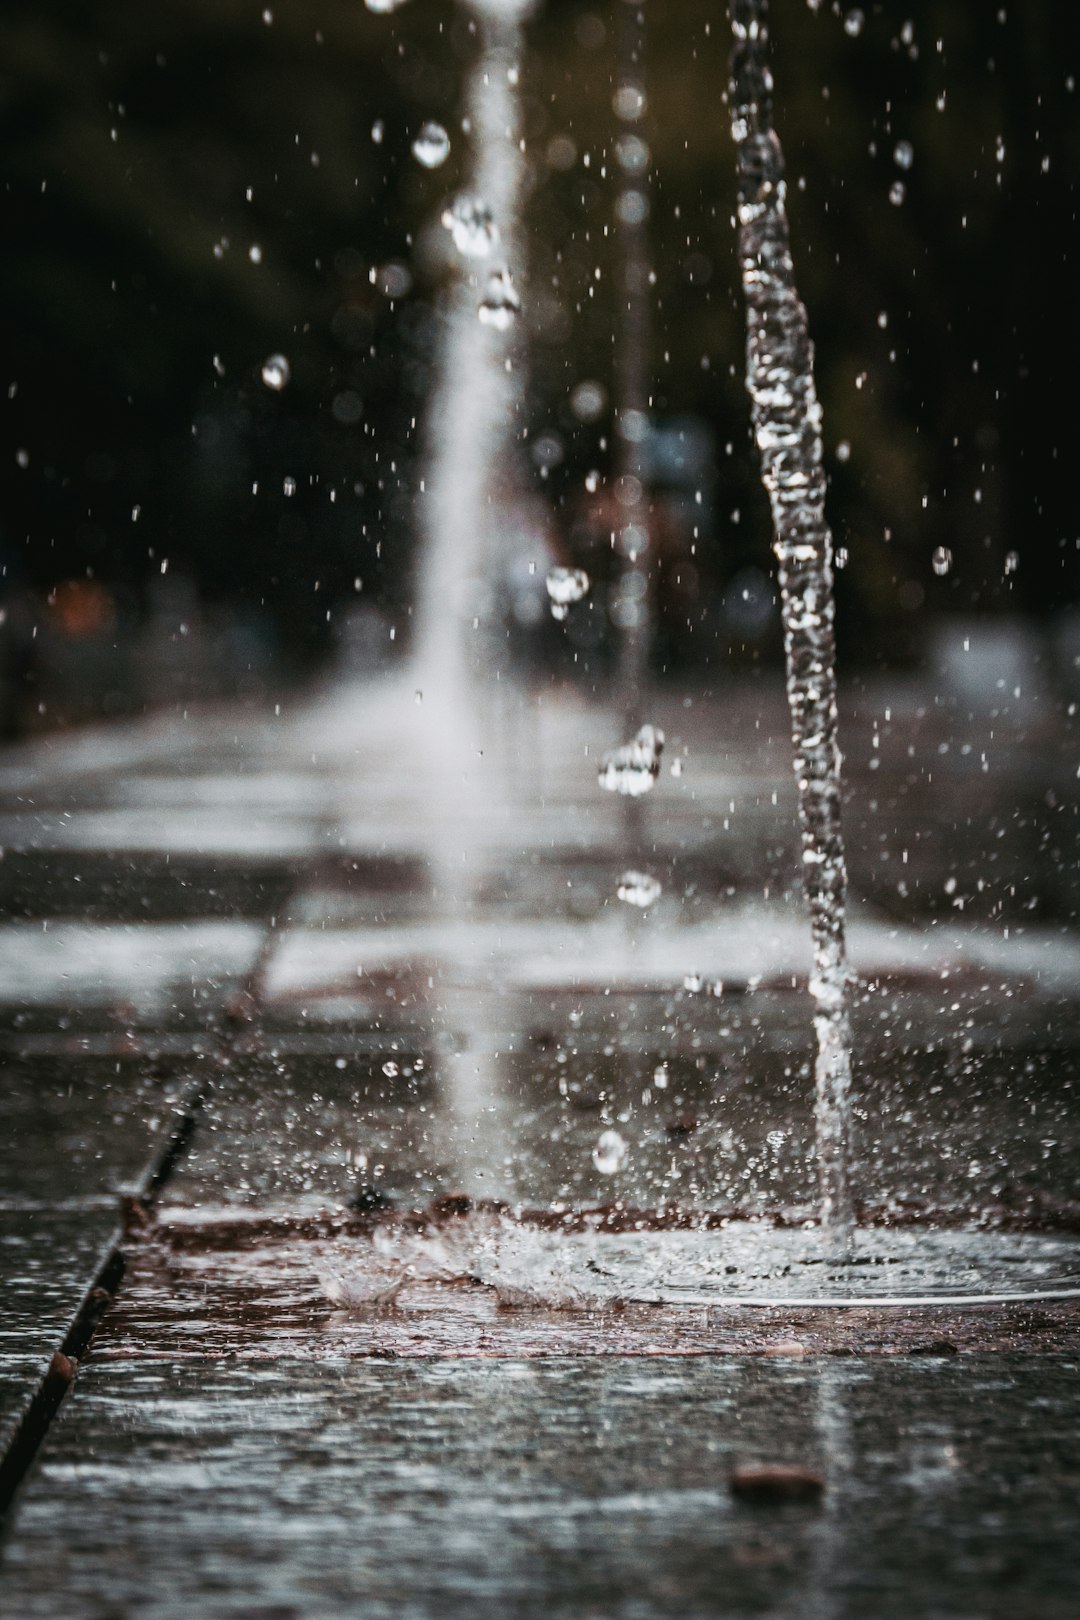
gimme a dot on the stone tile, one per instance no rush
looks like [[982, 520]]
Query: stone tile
[[562, 1488], [158, 970]]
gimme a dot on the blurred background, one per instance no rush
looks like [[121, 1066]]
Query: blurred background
[[190, 189]]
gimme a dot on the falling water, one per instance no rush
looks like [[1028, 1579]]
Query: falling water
[[635, 585], [631, 353], [473, 411], [470, 430], [787, 426]]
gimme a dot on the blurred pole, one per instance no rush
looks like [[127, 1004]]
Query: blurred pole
[[634, 603], [632, 362], [474, 412]]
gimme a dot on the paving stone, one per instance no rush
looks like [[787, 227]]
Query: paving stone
[[562, 1488], [162, 972], [48, 1260], [122, 886], [77, 1135], [82, 1129]]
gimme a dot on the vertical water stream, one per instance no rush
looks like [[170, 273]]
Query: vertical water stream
[[470, 433], [787, 427]]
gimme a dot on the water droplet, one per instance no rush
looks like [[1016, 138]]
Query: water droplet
[[843, 450], [941, 561], [500, 305], [275, 372], [903, 154], [632, 154], [393, 279], [289, 486], [1012, 561], [639, 889], [565, 585], [390, 1069], [383, 7], [548, 449], [471, 226], [676, 767], [632, 208], [853, 23], [255, 253], [629, 102], [633, 426], [587, 401], [693, 982], [897, 193], [660, 1077], [632, 769], [609, 1152], [378, 130], [592, 481], [347, 408], [431, 146]]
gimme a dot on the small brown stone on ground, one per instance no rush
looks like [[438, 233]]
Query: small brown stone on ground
[[777, 1482], [682, 1125], [62, 1369]]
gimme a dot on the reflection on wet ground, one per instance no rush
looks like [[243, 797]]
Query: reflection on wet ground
[[280, 989]]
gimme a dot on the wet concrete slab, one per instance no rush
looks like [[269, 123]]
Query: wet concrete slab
[[82, 1129], [566, 1487], [49, 1258], [113, 886], [163, 972], [374, 1029], [77, 1138]]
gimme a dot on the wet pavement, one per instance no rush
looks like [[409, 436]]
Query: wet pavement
[[268, 984]]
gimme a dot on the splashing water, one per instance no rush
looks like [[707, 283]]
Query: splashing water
[[632, 769], [565, 586], [472, 227], [609, 1152], [639, 889], [787, 427], [499, 305], [275, 372], [472, 416], [470, 434], [431, 148]]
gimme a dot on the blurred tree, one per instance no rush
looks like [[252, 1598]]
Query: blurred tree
[[190, 188]]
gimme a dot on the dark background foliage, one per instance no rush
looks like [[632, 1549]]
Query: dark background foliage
[[147, 149]]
